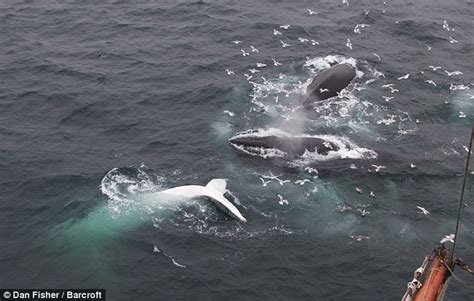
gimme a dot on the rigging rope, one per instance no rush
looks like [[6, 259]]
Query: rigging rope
[[466, 284], [461, 201]]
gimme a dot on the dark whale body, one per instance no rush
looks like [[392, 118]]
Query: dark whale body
[[291, 146], [328, 84]]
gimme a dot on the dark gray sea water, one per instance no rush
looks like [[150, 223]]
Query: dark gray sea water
[[103, 102]]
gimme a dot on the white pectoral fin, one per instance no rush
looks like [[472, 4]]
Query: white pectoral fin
[[218, 184], [214, 190], [219, 198]]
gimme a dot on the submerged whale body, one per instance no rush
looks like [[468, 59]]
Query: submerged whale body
[[328, 83]]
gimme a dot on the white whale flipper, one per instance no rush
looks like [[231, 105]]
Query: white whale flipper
[[218, 184], [214, 190]]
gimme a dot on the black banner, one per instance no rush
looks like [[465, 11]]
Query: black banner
[[52, 294]]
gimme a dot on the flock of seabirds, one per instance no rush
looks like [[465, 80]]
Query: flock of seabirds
[[325, 85]]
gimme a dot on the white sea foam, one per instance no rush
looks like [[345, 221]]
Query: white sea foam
[[347, 150], [454, 87], [320, 63], [121, 189], [261, 152], [463, 103]]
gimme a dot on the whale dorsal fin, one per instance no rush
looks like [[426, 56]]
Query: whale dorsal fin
[[217, 184]]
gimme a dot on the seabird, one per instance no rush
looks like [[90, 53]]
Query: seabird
[[282, 201], [423, 210]]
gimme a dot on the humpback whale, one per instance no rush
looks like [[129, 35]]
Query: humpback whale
[[214, 190], [328, 83], [288, 147], [274, 143]]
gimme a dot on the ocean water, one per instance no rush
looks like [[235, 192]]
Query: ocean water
[[105, 102]]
